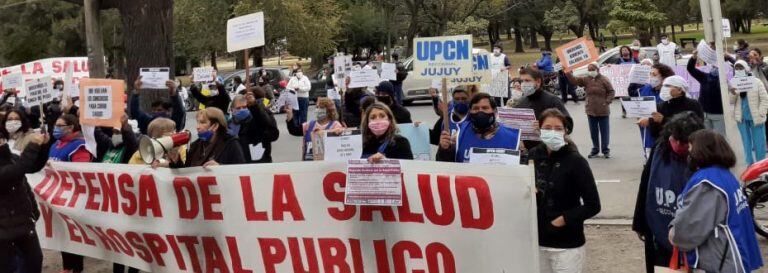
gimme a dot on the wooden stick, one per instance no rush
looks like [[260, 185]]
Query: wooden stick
[[446, 118], [247, 71]]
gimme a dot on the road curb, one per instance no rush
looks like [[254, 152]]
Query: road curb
[[608, 222]]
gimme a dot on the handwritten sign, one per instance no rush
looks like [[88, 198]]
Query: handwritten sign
[[203, 74], [344, 146], [245, 32], [639, 74], [388, 71], [363, 78], [443, 57], [101, 102], [743, 84], [706, 53], [577, 53], [619, 77], [726, 28], [13, 81], [40, 91]]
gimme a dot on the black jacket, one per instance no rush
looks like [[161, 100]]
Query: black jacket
[[539, 102], [709, 91], [672, 107], [226, 151], [261, 128], [398, 148], [18, 209], [220, 101], [402, 115], [563, 180]]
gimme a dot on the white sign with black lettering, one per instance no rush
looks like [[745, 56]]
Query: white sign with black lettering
[[494, 156], [363, 78], [245, 32], [13, 81], [388, 71], [39, 91], [203, 74], [639, 107], [154, 77], [98, 102], [743, 84], [639, 74], [344, 146]]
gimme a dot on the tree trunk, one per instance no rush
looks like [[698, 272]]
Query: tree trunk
[[577, 30], [258, 56], [534, 39], [413, 28], [508, 31], [682, 28], [674, 36], [490, 30], [148, 38], [213, 60], [547, 34], [518, 39], [239, 64]]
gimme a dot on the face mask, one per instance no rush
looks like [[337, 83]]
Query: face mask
[[553, 139], [735, 47], [117, 139], [58, 133], [12, 126], [482, 121], [496, 51], [205, 135], [299, 74], [461, 107], [242, 115], [378, 127], [592, 74], [321, 114], [739, 73], [665, 94], [384, 99], [528, 88], [59, 87], [160, 115], [679, 148], [654, 81], [665, 41]]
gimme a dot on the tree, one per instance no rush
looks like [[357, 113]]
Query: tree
[[563, 18], [641, 15], [470, 25], [200, 27], [363, 27]]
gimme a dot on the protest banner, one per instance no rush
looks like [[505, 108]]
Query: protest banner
[[520, 118], [639, 107], [53, 67], [442, 57], [706, 53], [693, 92], [203, 74], [101, 102], [726, 28], [639, 74], [154, 77], [13, 81], [577, 53], [418, 138], [39, 91], [373, 184], [494, 156], [341, 146], [363, 78], [481, 72], [743, 84], [245, 32], [388, 71], [281, 217], [619, 77]]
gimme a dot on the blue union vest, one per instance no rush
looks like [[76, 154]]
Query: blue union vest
[[64, 153], [665, 183], [506, 138]]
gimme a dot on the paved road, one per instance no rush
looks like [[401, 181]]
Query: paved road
[[617, 177]]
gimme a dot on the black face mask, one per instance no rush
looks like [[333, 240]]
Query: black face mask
[[384, 99], [482, 121]]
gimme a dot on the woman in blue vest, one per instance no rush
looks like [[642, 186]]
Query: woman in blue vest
[[380, 138], [663, 178], [713, 223], [482, 131], [69, 147]]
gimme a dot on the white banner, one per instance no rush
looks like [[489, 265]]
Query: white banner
[[289, 216], [245, 32], [53, 67]]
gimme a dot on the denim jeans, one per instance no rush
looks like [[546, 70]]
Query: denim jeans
[[599, 130], [303, 109], [715, 122], [753, 141]]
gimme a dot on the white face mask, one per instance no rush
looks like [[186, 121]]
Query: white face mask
[[12, 126], [735, 47], [496, 51], [117, 139], [739, 73], [299, 74], [592, 74], [665, 93], [654, 81], [528, 88], [553, 139], [665, 41]]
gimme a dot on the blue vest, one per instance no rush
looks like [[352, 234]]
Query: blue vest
[[308, 154], [739, 225], [665, 183], [506, 138], [454, 126], [64, 153], [645, 133]]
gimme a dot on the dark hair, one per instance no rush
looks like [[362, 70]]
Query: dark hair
[[365, 102], [237, 79], [477, 97], [759, 52], [628, 48], [165, 105], [680, 127], [554, 113], [71, 120], [709, 149], [22, 116], [460, 89], [535, 74], [664, 70], [742, 43]]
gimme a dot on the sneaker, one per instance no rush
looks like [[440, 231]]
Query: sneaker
[[607, 155], [593, 155]]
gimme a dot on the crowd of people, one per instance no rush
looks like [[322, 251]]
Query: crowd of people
[[686, 198]]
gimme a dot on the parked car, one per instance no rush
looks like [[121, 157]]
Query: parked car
[[275, 74], [415, 89]]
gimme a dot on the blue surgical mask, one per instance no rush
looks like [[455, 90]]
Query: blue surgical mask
[[461, 107], [205, 135], [58, 133], [242, 115]]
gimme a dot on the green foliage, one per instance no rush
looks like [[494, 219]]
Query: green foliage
[[363, 27], [471, 25], [561, 17], [637, 13], [200, 26]]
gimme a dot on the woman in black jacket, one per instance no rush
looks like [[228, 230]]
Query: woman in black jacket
[[257, 126], [214, 146], [219, 97], [380, 138], [563, 180], [18, 210]]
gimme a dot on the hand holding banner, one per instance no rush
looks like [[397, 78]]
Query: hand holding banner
[[577, 53], [442, 57]]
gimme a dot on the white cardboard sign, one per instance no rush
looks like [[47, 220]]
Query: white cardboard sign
[[203, 74], [40, 91], [245, 32]]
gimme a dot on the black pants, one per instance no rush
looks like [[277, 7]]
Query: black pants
[[26, 249], [655, 255], [72, 262], [119, 268]]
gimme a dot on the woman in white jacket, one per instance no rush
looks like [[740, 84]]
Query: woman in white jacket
[[750, 101]]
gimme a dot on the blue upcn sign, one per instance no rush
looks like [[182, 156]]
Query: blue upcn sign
[[439, 57]]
